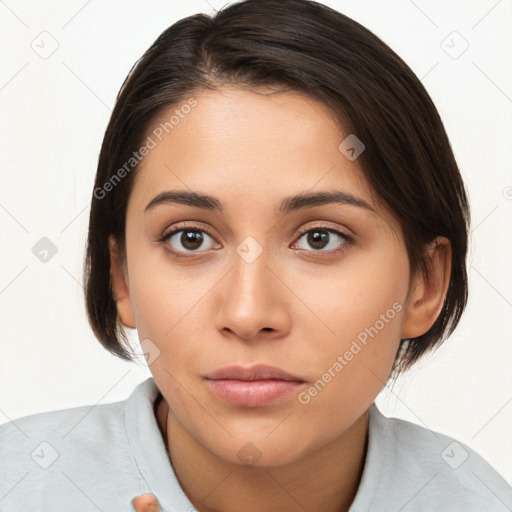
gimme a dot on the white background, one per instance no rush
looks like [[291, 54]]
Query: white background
[[53, 115]]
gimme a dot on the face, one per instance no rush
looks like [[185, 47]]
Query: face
[[317, 290]]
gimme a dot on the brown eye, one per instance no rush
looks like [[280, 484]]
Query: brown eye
[[318, 239], [323, 240], [188, 240]]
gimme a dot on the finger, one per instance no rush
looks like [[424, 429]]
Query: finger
[[146, 503]]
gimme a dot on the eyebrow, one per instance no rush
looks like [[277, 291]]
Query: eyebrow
[[288, 204]]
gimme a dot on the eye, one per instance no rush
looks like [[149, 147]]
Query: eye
[[324, 240], [187, 240], [183, 240]]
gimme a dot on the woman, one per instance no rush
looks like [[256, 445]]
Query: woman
[[278, 212]]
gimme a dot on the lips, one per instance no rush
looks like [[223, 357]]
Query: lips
[[256, 372], [254, 386]]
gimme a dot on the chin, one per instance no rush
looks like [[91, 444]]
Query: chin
[[262, 453]]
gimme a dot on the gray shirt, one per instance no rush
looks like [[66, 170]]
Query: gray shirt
[[97, 458]]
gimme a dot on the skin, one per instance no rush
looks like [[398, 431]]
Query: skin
[[297, 306], [146, 503]]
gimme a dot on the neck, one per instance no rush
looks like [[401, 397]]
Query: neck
[[326, 479]]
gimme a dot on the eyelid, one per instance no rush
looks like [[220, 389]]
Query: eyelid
[[180, 226], [329, 227]]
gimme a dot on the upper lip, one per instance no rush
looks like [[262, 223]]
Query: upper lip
[[256, 372]]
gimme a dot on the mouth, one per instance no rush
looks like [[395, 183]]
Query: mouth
[[254, 386]]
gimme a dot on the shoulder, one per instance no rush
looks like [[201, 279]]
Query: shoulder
[[44, 437], [64, 459], [425, 470]]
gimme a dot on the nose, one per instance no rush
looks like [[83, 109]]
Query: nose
[[253, 303]]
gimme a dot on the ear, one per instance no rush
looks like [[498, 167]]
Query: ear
[[427, 293], [120, 288]]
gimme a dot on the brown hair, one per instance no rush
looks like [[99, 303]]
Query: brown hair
[[304, 46]]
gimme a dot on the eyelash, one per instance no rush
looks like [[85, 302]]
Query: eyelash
[[347, 240]]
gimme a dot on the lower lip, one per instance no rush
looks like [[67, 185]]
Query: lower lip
[[253, 393]]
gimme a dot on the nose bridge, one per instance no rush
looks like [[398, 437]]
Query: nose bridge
[[250, 301], [249, 282]]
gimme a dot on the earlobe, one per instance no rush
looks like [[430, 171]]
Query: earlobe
[[120, 288], [427, 293]]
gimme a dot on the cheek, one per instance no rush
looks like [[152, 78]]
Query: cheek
[[357, 294], [361, 308], [169, 312], [159, 296]]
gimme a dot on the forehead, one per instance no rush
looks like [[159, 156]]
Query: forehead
[[250, 145]]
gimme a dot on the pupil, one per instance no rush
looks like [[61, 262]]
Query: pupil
[[191, 239], [318, 239]]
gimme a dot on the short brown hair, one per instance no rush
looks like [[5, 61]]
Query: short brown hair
[[304, 46]]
